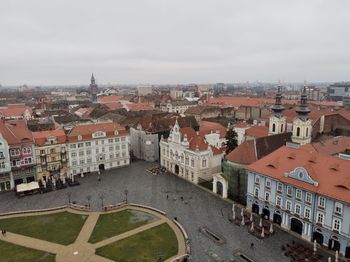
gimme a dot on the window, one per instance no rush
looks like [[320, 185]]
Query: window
[[289, 191], [336, 224], [338, 208], [204, 163], [82, 161], [103, 149], [288, 205], [192, 162], [268, 183], [307, 213], [73, 154], [182, 158], [123, 154], [52, 151], [2, 165], [116, 139], [298, 131], [123, 146], [102, 142], [308, 197], [89, 160], [117, 147], [80, 145], [282, 128], [321, 202], [273, 127], [111, 148], [257, 179], [97, 151], [81, 153], [307, 131], [320, 218], [187, 160], [88, 152], [110, 156], [256, 192], [122, 139], [279, 187], [27, 150], [297, 209], [279, 201], [74, 162], [42, 152], [267, 196], [298, 194], [87, 143], [73, 146], [96, 143], [110, 140]]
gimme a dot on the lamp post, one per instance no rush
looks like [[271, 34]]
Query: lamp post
[[102, 198], [126, 195], [69, 194], [88, 199]]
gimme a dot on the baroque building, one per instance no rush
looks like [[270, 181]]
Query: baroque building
[[304, 191], [6, 179], [194, 156], [96, 147], [51, 154], [277, 123]]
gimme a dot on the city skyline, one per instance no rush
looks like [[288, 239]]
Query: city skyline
[[164, 42]]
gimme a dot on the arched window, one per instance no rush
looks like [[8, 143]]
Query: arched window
[[282, 128], [273, 127], [298, 131], [307, 131]]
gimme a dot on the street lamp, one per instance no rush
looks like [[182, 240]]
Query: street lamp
[[88, 199], [69, 194], [126, 195], [102, 198]]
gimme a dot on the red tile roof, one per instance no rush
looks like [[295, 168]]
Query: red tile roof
[[331, 172], [332, 146], [257, 131], [14, 110], [109, 99], [15, 132], [207, 127], [87, 130], [243, 154], [139, 106], [40, 138], [113, 105]]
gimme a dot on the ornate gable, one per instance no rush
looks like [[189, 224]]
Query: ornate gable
[[301, 174]]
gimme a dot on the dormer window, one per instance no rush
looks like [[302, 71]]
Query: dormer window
[[79, 138], [116, 132]]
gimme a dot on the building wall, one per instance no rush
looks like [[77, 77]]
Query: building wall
[[144, 146], [90, 155], [51, 159], [236, 176], [6, 179]]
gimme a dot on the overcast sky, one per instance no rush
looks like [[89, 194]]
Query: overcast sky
[[173, 41]]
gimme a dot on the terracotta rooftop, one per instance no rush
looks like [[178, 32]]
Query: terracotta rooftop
[[331, 146], [207, 127], [16, 132], [40, 138], [139, 106], [109, 99], [113, 105], [330, 172], [14, 110], [86, 130], [257, 131]]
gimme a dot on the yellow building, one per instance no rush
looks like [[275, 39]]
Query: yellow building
[[51, 154]]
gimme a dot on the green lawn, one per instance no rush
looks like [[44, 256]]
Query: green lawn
[[112, 224], [62, 228], [143, 247], [13, 253]]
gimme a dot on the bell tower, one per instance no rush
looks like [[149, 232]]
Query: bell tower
[[93, 89], [277, 122], [302, 125]]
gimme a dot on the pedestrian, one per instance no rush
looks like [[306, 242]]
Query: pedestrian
[[182, 198], [167, 197], [99, 178], [252, 245], [3, 232]]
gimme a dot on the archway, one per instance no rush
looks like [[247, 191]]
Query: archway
[[266, 213], [255, 208], [347, 251], [176, 169], [277, 219], [296, 226], [101, 167], [333, 244], [219, 188], [318, 237]]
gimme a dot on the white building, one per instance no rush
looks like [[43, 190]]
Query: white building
[[195, 156], [98, 146], [178, 106]]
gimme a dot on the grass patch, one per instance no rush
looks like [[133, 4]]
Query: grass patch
[[143, 247], [62, 228], [14, 253], [112, 224]]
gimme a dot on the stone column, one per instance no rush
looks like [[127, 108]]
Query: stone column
[[224, 190], [215, 186]]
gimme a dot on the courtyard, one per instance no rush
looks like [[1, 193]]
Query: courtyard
[[192, 206]]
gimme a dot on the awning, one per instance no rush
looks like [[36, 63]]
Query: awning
[[27, 186]]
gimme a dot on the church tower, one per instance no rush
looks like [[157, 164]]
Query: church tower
[[277, 122], [93, 89], [302, 125]]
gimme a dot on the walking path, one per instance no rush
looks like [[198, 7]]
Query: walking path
[[83, 251]]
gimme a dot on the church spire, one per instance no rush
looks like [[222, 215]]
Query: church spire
[[303, 109], [278, 108], [92, 79]]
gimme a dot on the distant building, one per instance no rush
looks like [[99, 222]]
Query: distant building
[[16, 111], [338, 91], [144, 90], [6, 179], [178, 106], [176, 93], [144, 145], [93, 89]]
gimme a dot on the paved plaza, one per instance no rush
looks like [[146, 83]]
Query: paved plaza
[[198, 208]]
